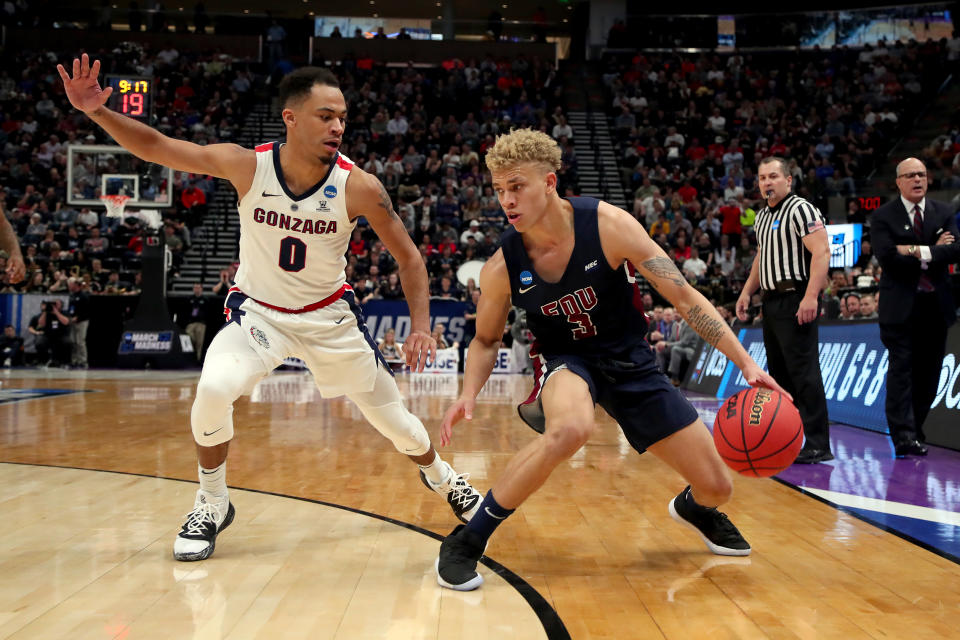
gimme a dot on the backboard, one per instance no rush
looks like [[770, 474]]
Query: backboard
[[95, 170]]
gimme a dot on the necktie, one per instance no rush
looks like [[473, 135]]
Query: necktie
[[924, 283]]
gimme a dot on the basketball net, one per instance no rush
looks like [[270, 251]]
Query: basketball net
[[115, 205]]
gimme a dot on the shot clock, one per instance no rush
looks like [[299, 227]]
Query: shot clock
[[132, 96]]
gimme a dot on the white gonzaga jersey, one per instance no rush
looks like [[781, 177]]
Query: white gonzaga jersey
[[292, 247]]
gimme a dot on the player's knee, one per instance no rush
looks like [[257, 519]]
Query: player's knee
[[564, 437], [211, 417], [412, 440], [401, 427], [217, 393], [211, 426]]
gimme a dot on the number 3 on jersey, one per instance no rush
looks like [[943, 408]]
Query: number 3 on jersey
[[293, 254], [575, 307]]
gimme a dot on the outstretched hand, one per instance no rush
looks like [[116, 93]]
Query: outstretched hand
[[82, 89], [418, 349], [757, 377], [461, 409]]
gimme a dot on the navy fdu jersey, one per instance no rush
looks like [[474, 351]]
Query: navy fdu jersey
[[593, 311]]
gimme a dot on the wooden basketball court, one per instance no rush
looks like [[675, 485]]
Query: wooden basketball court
[[335, 537]]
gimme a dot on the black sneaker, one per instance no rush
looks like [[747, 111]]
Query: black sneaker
[[813, 456], [198, 536], [714, 527], [457, 563], [462, 498]]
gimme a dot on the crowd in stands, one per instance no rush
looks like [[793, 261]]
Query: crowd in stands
[[692, 129], [197, 97], [423, 132]]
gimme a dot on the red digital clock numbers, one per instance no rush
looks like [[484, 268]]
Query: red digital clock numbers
[[132, 105], [870, 204]]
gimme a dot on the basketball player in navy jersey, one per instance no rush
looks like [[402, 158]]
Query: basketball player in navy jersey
[[568, 262], [298, 203]]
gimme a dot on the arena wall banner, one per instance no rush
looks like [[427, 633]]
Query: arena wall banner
[[447, 361], [854, 364], [943, 424], [386, 314]]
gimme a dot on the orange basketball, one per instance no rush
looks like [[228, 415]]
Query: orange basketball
[[758, 432]]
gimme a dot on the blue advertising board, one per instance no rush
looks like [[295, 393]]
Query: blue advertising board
[[853, 362]]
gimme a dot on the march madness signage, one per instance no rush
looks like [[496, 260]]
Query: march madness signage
[[381, 315], [146, 342], [854, 363]]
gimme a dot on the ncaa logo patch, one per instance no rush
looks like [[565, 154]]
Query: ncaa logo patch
[[260, 337], [776, 225], [526, 277], [330, 191]]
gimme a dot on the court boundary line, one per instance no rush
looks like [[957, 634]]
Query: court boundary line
[[549, 618], [946, 555]]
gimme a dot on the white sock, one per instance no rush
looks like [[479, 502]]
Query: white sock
[[435, 471], [213, 481]]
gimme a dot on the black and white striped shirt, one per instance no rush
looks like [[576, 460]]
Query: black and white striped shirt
[[780, 232]]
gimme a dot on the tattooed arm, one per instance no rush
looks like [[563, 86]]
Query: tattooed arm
[[623, 239], [367, 197]]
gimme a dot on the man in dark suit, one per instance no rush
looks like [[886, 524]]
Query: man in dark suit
[[915, 239]]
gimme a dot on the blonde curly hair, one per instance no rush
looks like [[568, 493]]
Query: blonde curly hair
[[522, 146]]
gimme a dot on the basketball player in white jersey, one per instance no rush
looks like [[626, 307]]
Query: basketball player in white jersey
[[298, 204]]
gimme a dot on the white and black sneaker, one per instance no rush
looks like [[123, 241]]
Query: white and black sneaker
[[714, 527], [462, 498], [197, 539]]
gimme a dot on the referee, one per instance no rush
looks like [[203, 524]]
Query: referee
[[793, 257]]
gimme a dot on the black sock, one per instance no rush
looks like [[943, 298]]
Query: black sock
[[488, 517]]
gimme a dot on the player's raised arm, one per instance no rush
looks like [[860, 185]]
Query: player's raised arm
[[623, 238], [229, 161], [492, 309], [369, 198]]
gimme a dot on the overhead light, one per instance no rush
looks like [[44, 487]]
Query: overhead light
[[310, 13]]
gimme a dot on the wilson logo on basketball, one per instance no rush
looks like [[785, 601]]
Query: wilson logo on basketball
[[761, 398]]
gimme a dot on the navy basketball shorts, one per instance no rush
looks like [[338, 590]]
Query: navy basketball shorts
[[633, 392]]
